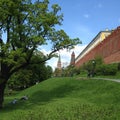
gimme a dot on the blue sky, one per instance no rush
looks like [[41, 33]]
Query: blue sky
[[85, 19]]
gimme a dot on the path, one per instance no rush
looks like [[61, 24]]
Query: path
[[114, 80]]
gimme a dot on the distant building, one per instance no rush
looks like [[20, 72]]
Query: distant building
[[106, 44], [72, 62], [59, 65], [58, 70]]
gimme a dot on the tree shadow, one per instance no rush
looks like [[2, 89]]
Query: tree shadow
[[40, 97], [47, 96]]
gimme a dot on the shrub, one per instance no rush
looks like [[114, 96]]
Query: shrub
[[119, 66], [106, 69], [99, 69], [76, 71]]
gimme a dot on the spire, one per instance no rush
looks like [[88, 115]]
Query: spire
[[72, 62], [59, 60], [59, 63]]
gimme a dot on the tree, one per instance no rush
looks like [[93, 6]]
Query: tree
[[58, 72], [27, 26], [30, 75]]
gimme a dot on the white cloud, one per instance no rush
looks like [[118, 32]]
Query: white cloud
[[83, 32], [52, 62], [65, 56], [45, 52], [78, 49]]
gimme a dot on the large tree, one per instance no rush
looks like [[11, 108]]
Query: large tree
[[27, 25], [30, 75]]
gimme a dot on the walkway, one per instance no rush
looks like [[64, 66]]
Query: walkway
[[114, 80]]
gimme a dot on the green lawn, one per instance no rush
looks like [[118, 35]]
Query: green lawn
[[117, 76], [66, 99]]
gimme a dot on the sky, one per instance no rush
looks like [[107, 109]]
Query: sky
[[85, 19]]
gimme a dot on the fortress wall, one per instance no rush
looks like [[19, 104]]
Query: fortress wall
[[109, 49], [88, 49]]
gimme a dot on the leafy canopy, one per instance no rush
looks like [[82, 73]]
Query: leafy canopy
[[27, 26]]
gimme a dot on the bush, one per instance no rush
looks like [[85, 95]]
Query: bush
[[76, 71], [106, 69], [119, 66], [99, 69]]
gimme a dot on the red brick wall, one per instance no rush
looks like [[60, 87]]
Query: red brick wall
[[109, 49]]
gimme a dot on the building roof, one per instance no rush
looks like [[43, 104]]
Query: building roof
[[95, 39]]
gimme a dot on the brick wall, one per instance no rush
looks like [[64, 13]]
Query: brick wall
[[109, 49]]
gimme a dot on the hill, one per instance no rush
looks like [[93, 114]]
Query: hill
[[66, 99]]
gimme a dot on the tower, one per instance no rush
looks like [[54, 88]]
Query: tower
[[59, 63], [72, 62], [58, 70]]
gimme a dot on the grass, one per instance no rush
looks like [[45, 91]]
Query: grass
[[117, 76], [66, 99]]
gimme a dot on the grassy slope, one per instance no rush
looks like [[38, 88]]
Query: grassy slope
[[66, 99]]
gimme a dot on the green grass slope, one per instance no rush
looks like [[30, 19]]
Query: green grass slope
[[66, 99]]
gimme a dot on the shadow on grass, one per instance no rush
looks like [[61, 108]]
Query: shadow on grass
[[39, 98], [46, 96]]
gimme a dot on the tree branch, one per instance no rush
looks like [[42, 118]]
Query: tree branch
[[8, 28]]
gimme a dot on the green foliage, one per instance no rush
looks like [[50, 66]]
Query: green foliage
[[66, 98], [20, 80], [76, 71], [110, 69], [49, 72], [119, 66], [106, 69], [70, 71], [30, 76], [97, 67], [58, 72], [27, 25], [91, 64], [99, 60]]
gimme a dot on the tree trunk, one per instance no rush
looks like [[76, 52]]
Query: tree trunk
[[2, 89]]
